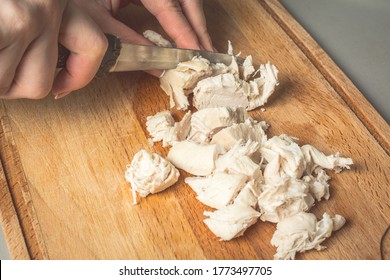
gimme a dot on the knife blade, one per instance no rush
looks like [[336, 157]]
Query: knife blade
[[121, 57]]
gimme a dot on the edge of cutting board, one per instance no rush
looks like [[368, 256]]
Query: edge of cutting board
[[17, 214]]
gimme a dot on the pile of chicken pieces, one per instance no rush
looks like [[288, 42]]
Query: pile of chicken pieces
[[236, 169]]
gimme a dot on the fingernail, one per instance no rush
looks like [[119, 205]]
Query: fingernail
[[61, 95]]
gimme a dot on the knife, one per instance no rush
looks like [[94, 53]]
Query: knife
[[121, 57]]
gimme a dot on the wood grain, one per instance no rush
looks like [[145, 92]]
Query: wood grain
[[64, 160]]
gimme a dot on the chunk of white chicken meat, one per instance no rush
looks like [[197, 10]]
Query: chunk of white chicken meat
[[178, 83], [302, 232], [249, 194], [196, 159], [228, 89], [223, 90], [284, 156], [284, 199], [217, 190], [315, 158], [206, 122], [250, 130], [150, 173], [266, 84], [247, 68], [158, 124], [157, 39], [319, 186], [231, 221], [230, 48], [237, 160], [179, 131]]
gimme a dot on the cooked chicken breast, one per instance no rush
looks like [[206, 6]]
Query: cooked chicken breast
[[248, 68], [249, 130], [217, 190], [237, 160], [239, 171], [249, 194], [284, 199], [230, 90], [157, 39], [158, 124], [149, 174], [314, 158], [178, 132], [223, 90], [231, 221], [284, 156], [206, 122], [262, 88], [303, 232], [178, 83], [196, 159], [318, 185]]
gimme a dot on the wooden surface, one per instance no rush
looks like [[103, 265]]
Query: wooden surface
[[63, 193]]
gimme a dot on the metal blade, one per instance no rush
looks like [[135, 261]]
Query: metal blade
[[137, 57]]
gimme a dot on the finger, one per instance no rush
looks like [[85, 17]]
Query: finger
[[10, 57], [116, 5], [193, 10], [87, 44], [35, 72], [172, 19]]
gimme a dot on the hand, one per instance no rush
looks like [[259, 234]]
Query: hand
[[183, 20], [29, 34]]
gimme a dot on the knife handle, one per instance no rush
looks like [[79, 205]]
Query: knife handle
[[109, 59]]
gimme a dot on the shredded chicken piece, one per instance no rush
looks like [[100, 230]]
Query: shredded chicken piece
[[178, 132], [220, 91], [196, 159], [206, 122], [284, 157], [157, 39], [231, 221], [217, 190], [249, 194], [230, 48], [178, 83], [319, 186], [267, 82], [228, 89], [149, 174], [237, 160], [314, 158], [303, 232], [163, 127], [284, 199], [248, 68], [249, 130], [158, 124]]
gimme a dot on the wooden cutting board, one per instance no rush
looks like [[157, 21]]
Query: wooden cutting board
[[63, 193]]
